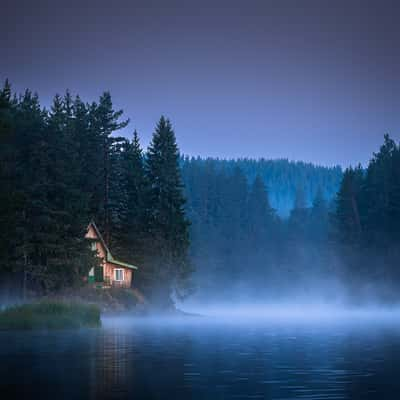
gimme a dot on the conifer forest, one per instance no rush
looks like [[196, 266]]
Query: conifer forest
[[204, 227]]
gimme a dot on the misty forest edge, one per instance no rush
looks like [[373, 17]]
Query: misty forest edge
[[217, 228]]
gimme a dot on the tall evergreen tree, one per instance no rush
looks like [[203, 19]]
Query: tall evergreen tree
[[33, 164], [260, 214], [319, 217], [106, 122], [378, 186], [9, 196], [347, 216], [135, 232], [128, 203], [169, 227], [299, 216]]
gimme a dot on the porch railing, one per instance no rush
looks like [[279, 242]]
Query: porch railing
[[121, 284], [109, 282]]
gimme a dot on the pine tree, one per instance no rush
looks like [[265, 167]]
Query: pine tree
[[9, 195], [260, 214], [347, 217], [169, 228], [234, 206], [71, 255], [106, 122], [298, 219], [5, 111], [117, 197], [376, 194], [32, 167], [128, 200], [134, 232], [393, 204], [319, 217]]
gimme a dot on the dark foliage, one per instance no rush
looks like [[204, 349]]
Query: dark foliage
[[367, 224], [331, 245], [50, 315], [241, 247], [168, 227], [61, 168]]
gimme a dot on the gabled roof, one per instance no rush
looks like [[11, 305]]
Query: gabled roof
[[109, 258]]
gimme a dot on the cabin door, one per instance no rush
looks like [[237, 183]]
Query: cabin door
[[98, 273]]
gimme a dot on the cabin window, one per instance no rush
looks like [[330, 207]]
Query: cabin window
[[119, 274], [93, 246]]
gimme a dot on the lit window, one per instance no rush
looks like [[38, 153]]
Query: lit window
[[119, 274]]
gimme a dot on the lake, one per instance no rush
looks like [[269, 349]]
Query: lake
[[207, 358]]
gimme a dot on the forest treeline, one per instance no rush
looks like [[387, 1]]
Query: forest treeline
[[341, 239], [281, 176], [62, 168], [242, 248], [230, 229]]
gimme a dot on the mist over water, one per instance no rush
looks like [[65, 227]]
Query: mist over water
[[295, 312], [272, 352]]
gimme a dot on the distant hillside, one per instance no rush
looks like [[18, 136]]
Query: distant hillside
[[282, 178]]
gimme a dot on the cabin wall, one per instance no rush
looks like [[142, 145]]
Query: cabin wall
[[109, 275]]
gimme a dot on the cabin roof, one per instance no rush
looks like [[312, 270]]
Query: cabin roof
[[109, 258]]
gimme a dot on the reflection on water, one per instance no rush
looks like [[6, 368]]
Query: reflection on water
[[111, 369], [197, 358]]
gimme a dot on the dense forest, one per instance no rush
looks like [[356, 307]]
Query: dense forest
[[227, 230], [240, 243], [62, 168], [366, 224], [340, 241], [282, 178]]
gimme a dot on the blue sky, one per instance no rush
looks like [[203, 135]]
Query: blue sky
[[317, 82]]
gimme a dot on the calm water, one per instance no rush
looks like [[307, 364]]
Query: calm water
[[200, 358]]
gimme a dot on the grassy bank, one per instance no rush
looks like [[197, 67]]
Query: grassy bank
[[50, 315], [113, 300]]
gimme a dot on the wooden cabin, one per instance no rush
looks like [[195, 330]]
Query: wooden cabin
[[111, 272]]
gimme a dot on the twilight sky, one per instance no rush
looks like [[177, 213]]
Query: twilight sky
[[306, 80]]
